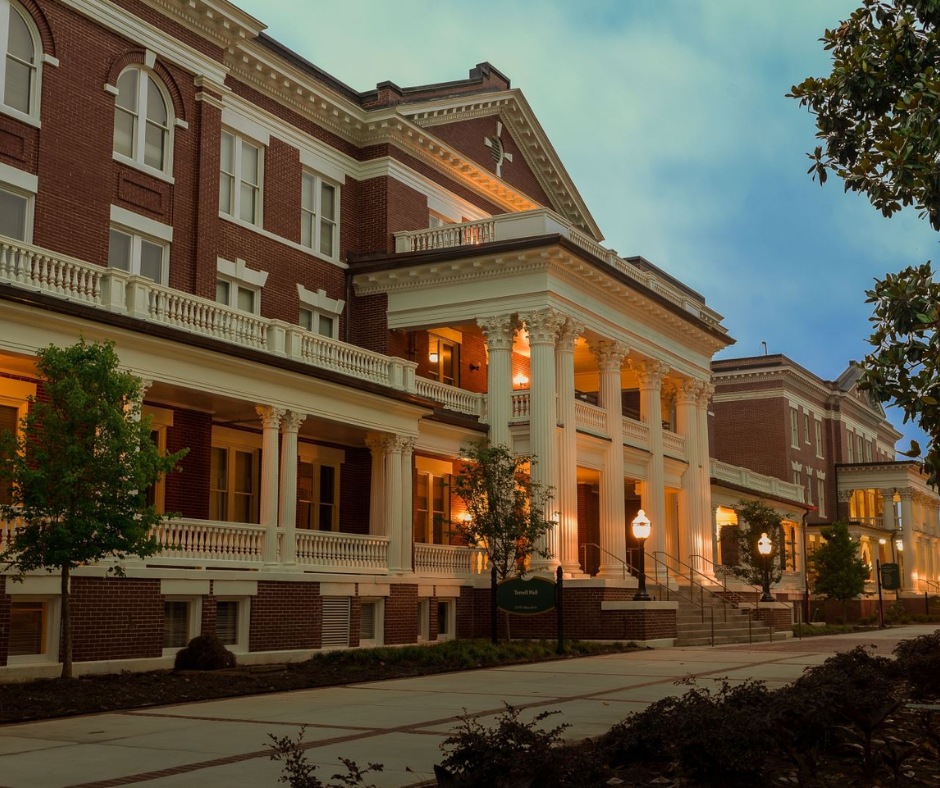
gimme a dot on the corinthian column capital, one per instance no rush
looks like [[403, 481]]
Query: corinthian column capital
[[568, 334], [270, 416], [650, 373], [543, 327], [609, 354], [499, 330]]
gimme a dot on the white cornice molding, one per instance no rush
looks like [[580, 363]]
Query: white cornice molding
[[219, 21], [116, 19]]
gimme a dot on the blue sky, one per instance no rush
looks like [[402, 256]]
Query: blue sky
[[671, 118]]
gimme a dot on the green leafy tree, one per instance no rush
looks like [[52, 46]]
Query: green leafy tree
[[79, 471], [505, 507], [756, 518], [840, 573], [878, 118]]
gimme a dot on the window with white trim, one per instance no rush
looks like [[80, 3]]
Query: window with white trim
[[805, 427], [138, 254], [821, 497], [371, 622], [444, 357], [446, 619], [241, 165], [432, 500], [182, 621], [231, 622], [20, 61], [798, 478], [851, 445], [319, 214], [318, 486], [143, 121], [33, 632], [14, 406], [239, 286], [318, 312], [794, 428], [15, 213], [424, 620], [234, 476], [819, 438]]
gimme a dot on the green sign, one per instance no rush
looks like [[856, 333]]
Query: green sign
[[526, 596], [890, 577]]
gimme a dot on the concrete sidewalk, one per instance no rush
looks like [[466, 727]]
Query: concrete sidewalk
[[398, 723]]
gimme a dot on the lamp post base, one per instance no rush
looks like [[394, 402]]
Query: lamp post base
[[641, 594]]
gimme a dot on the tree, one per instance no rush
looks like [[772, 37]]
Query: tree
[[505, 507], [840, 573], [80, 468], [754, 519], [878, 116]]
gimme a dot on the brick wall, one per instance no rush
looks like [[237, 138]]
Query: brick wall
[[754, 434], [355, 486], [285, 616], [401, 615], [116, 618], [187, 488]]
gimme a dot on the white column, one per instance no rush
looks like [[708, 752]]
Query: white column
[[908, 558], [287, 508], [406, 562], [651, 375], [566, 503], [499, 330], [888, 518], [393, 496], [704, 542], [542, 329], [376, 443], [613, 534], [690, 497], [270, 422]]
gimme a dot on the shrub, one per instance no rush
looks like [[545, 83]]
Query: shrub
[[298, 772], [918, 661], [205, 652]]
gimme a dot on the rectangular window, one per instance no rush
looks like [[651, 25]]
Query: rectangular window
[[318, 213], [238, 296], [819, 439], [798, 478], [432, 508], [226, 621], [859, 454], [444, 360], [233, 484], [851, 446], [28, 629], [805, 427], [424, 620], [241, 164], [317, 495], [9, 420], [445, 619], [14, 214], [794, 428], [868, 451], [138, 255], [324, 325], [821, 496], [175, 624], [370, 622]]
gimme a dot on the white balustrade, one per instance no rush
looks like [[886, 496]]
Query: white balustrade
[[446, 237], [673, 444], [206, 541], [37, 269], [744, 477], [520, 406], [450, 397], [636, 433], [591, 418], [449, 560], [199, 315], [338, 552], [340, 357], [7, 529]]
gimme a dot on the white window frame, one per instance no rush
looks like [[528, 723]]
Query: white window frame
[[850, 442], [318, 456], [424, 620], [21, 184], [432, 469], [820, 497], [140, 229], [52, 615], [319, 303], [378, 622], [311, 216], [819, 438], [239, 275], [805, 426], [243, 622], [193, 620], [31, 116], [145, 73], [232, 441], [794, 428], [233, 210]]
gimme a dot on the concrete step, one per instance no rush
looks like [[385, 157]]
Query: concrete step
[[723, 640]]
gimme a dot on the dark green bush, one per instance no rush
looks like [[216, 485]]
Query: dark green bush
[[298, 772], [918, 662], [205, 652]]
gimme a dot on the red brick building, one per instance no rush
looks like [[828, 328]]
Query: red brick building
[[327, 292], [831, 440]]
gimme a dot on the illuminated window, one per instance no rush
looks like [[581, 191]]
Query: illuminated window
[[234, 481], [444, 360]]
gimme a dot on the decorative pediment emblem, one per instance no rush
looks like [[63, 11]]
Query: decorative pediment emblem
[[495, 144]]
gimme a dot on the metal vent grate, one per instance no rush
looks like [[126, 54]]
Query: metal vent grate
[[335, 621]]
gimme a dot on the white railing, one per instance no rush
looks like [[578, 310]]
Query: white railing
[[452, 561], [7, 529], [542, 221], [450, 397], [201, 316], [674, 443], [37, 269], [338, 356], [209, 541], [520, 406], [744, 477], [636, 433], [446, 237], [590, 418], [337, 552]]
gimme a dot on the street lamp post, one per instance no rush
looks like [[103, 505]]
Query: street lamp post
[[764, 547], [641, 530]]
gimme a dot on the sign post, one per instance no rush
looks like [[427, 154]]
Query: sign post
[[881, 602], [560, 608]]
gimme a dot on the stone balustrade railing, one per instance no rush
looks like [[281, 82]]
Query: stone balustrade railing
[[451, 397], [337, 552], [744, 477], [673, 444], [520, 406], [636, 433], [542, 221], [447, 560], [209, 542], [591, 418]]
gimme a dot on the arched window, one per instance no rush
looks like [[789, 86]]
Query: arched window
[[20, 54], [142, 120]]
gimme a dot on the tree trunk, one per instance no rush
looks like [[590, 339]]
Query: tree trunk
[[66, 626]]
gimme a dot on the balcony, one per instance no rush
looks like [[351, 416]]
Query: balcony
[[532, 224], [744, 477]]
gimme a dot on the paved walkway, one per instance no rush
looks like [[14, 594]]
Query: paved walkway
[[399, 723]]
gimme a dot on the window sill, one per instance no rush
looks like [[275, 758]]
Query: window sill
[[29, 120], [153, 172], [280, 239]]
